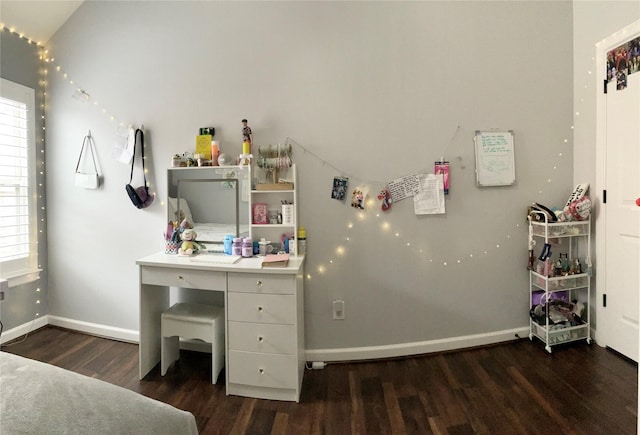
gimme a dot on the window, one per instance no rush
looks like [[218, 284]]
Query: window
[[18, 233]]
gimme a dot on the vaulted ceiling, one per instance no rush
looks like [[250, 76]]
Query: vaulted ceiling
[[37, 20]]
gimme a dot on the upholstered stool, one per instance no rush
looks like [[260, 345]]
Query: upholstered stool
[[204, 322]]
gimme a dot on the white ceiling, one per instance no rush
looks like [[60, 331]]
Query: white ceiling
[[37, 20]]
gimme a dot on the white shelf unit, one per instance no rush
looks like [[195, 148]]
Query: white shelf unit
[[577, 286], [274, 200]]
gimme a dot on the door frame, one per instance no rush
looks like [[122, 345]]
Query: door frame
[[602, 47]]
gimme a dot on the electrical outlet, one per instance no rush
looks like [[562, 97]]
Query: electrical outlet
[[338, 309]]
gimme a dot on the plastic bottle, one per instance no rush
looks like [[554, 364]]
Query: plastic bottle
[[236, 249], [548, 267], [215, 152], [247, 247], [302, 241], [577, 267], [228, 244], [565, 263]]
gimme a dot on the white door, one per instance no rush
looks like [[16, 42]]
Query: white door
[[620, 139]]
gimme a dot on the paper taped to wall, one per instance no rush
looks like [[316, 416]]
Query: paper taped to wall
[[430, 198], [404, 187], [123, 145]]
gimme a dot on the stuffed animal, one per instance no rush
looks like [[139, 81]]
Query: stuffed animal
[[189, 245]]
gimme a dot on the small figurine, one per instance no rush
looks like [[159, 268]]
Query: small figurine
[[247, 144], [189, 245], [386, 199], [247, 135]]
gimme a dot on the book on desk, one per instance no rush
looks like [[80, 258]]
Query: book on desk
[[276, 260]]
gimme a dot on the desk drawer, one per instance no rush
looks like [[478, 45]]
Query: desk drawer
[[248, 307], [258, 337], [261, 283], [187, 278], [263, 370]]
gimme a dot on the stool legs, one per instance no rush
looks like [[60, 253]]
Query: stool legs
[[217, 351], [170, 352], [200, 322]]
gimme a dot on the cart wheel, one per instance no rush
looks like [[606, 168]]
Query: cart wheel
[[548, 348], [588, 341], [531, 337]]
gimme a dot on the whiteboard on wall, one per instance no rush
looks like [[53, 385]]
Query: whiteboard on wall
[[495, 160]]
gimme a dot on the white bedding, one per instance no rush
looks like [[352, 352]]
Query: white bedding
[[38, 398], [206, 231]]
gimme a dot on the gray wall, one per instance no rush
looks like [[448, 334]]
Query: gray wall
[[20, 63], [377, 89]]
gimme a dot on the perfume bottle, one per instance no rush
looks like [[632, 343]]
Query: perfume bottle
[[565, 263], [577, 267], [548, 267]]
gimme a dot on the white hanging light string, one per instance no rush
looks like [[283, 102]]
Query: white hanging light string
[[20, 35], [340, 250]]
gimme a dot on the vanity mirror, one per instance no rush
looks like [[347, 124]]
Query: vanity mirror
[[214, 200]]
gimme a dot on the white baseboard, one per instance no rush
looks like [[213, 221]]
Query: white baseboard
[[128, 335], [415, 348], [120, 334], [342, 354], [25, 328]]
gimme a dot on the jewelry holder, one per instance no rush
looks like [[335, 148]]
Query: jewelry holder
[[273, 158]]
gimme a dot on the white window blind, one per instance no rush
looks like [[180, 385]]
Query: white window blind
[[18, 235]]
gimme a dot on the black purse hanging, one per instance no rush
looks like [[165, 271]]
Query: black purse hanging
[[140, 196]]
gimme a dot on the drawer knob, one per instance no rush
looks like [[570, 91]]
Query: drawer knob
[[180, 277], [260, 339], [261, 371], [260, 309], [259, 283]]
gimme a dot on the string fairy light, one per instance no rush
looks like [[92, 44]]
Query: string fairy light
[[20, 35], [462, 258], [340, 250], [40, 144], [80, 94]]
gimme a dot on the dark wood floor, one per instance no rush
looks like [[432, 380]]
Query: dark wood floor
[[513, 388]]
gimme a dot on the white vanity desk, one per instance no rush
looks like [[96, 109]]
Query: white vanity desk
[[264, 333]]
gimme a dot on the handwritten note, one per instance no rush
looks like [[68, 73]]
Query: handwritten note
[[495, 162], [430, 198], [404, 187]]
